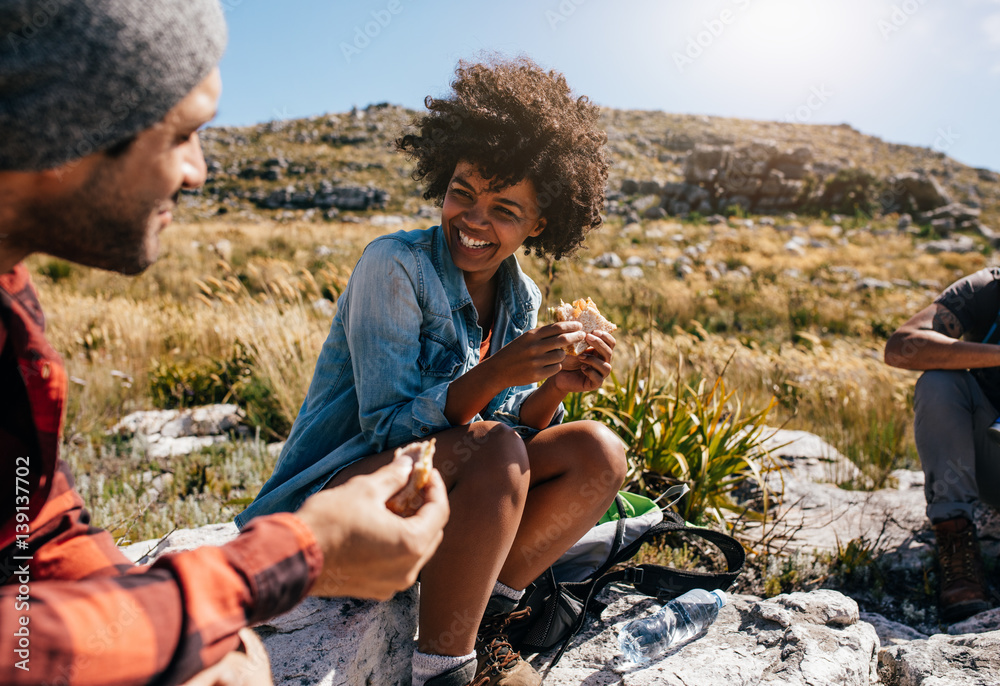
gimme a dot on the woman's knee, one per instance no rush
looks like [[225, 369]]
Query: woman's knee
[[600, 452]]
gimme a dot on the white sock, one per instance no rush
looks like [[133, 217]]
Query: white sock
[[506, 591], [426, 665]]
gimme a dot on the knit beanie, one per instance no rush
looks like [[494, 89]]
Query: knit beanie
[[79, 76]]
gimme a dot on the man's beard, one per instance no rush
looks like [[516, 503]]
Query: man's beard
[[97, 227]]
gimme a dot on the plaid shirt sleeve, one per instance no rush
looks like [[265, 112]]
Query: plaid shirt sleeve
[[90, 617], [73, 608]]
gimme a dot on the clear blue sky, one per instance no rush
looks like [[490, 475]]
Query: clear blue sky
[[924, 72]]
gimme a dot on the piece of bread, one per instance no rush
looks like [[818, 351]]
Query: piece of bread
[[407, 501], [585, 312]]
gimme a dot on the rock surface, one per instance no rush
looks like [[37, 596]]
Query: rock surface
[[169, 433], [818, 637], [798, 638]]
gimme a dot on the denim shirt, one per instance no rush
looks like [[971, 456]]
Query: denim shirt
[[405, 328]]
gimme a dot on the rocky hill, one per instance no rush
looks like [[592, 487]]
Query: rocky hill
[[336, 166]]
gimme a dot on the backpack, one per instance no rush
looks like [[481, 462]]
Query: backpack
[[559, 599]]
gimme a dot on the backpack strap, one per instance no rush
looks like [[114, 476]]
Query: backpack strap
[[656, 580]]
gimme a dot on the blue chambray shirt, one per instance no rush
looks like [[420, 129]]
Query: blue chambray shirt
[[405, 328]]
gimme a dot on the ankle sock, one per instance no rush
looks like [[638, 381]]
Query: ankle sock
[[426, 666], [506, 591]]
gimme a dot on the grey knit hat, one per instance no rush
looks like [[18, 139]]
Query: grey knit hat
[[79, 76]]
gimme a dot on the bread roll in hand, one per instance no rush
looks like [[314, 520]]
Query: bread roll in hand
[[585, 312], [407, 501]]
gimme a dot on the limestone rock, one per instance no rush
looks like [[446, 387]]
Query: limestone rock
[[967, 660], [819, 640], [169, 433], [890, 632]]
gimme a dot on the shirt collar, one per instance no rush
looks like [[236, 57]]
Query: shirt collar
[[514, 288]]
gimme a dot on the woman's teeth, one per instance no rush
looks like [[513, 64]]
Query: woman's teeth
[[470, 242]]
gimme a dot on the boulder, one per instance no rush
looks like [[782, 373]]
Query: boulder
[[956, 244], [969, 659], [169, 433], [925, 190], [798, 638]]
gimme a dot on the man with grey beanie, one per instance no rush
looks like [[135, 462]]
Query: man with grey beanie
[[100, 106]]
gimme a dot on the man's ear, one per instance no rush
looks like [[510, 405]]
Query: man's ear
[[538, 228]]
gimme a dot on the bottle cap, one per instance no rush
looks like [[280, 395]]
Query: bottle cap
[[720, 597]]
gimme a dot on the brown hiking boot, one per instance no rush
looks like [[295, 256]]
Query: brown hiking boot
[[499, 663], [963, 583]]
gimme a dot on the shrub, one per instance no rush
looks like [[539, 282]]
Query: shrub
[[701, 436]]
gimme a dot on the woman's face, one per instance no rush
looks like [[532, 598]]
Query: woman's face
[[485, 227]]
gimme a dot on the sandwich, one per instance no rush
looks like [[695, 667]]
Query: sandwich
[[407, 501], [585, 312]]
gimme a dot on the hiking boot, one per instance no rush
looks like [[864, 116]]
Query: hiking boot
[[499, 663], [963, 583], [463, 675]]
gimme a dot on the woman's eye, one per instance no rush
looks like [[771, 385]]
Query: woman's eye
[[461, 193], [504, 211]]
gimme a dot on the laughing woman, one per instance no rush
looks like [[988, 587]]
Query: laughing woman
[[436, 335]]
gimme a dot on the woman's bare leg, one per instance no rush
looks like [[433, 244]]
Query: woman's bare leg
[[576, 470], [485, 468]]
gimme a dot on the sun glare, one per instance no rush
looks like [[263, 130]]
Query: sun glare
[[792, 44]]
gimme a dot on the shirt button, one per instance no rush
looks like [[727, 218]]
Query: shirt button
[[425, 430]]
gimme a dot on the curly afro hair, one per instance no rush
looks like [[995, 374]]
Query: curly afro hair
[[514, 121]]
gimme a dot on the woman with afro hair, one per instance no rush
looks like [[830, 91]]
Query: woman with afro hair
[[436, 334]]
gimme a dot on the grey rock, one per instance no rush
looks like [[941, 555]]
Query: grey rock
[[818, 640], [715, 219], [630, 186], [968, 660], [871, 284], [943, 226], [634, 261], [955, 210], [656, 212], [609, 260], [679, 208], [890, 632], [981, 623], [650, 188], [957, 244], [643, 203], [926, 191], [798, 638], [633, 273], [905, 221], [336, 641]]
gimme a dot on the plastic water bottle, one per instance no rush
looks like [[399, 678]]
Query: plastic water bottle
[[673, 623]]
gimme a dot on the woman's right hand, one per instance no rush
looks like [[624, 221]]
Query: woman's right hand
[[537, 354]]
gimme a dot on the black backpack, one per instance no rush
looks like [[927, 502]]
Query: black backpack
[[558, 610]]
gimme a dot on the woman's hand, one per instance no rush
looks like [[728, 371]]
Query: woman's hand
[[535, 355], [588, 370]]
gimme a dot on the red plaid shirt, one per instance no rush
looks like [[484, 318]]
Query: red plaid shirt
[[73, 609]]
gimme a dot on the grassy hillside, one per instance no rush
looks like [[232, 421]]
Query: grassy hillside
[[794, 308]]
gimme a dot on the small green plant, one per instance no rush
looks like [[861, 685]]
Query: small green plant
[[56, 270], [202, 382], [699, 435]]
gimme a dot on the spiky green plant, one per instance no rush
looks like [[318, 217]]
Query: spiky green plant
[[702, 436]]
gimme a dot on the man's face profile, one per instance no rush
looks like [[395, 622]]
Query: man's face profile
[[109, 211]]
